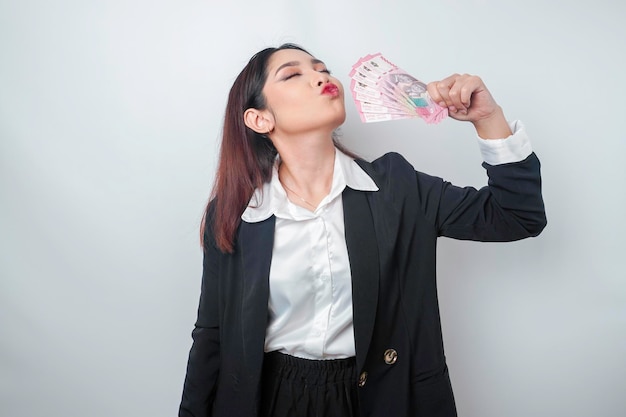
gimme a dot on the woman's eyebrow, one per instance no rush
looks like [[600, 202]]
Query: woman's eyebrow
[[314, 61]]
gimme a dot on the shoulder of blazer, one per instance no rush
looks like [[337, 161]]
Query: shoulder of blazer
[[208, 235], [390, 171]]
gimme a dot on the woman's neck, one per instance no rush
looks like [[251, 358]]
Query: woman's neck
[[306, 170]]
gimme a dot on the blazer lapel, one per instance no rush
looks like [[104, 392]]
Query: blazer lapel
[[364, 265], [256, 240]]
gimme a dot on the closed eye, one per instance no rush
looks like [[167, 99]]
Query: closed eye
[[291, 76], [294, 74]]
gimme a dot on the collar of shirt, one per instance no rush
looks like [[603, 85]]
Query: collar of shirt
[[272, 198]]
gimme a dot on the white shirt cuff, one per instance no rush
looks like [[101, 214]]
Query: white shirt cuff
[[515, 148]]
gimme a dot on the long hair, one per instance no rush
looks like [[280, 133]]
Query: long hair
[[246, 157]]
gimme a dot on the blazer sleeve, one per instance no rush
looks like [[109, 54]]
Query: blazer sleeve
[[204, 357], [509, 208]]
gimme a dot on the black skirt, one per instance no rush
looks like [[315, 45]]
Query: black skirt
[[295, 387]]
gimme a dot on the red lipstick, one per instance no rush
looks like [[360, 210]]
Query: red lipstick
[[330, 89]]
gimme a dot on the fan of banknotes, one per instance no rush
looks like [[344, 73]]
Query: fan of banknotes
[[382, 92]]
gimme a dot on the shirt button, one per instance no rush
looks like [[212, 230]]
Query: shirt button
[[391, 356], [362, 379]]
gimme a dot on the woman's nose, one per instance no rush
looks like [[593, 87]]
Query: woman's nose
[[321, 78]]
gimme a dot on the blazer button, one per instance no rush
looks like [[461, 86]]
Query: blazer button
[[391, 356], [362, 379]]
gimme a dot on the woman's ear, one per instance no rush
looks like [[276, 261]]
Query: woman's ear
[[258, 120]]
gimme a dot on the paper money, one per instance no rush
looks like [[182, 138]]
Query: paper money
[[382, 91]]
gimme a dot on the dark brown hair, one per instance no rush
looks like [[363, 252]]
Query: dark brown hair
[[246, 157]]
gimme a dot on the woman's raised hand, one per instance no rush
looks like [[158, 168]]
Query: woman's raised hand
[[468, 99]]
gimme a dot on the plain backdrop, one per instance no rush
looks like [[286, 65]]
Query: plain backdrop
[[110, 117]]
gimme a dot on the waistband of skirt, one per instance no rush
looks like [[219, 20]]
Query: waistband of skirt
[[278, 359]]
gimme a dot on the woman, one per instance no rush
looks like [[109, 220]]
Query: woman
[[318, 290]]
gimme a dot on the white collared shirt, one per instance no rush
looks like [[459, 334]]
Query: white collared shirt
[[310, 302]]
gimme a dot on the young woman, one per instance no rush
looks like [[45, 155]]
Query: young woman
[[319, 293]]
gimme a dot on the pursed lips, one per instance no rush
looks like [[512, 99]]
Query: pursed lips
[[330, 89]]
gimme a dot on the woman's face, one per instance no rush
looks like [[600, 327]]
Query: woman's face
[[301, 95]]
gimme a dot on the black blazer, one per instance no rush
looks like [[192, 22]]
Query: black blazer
[[391, 238]]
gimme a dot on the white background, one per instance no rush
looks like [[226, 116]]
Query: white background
[[110, 115]]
